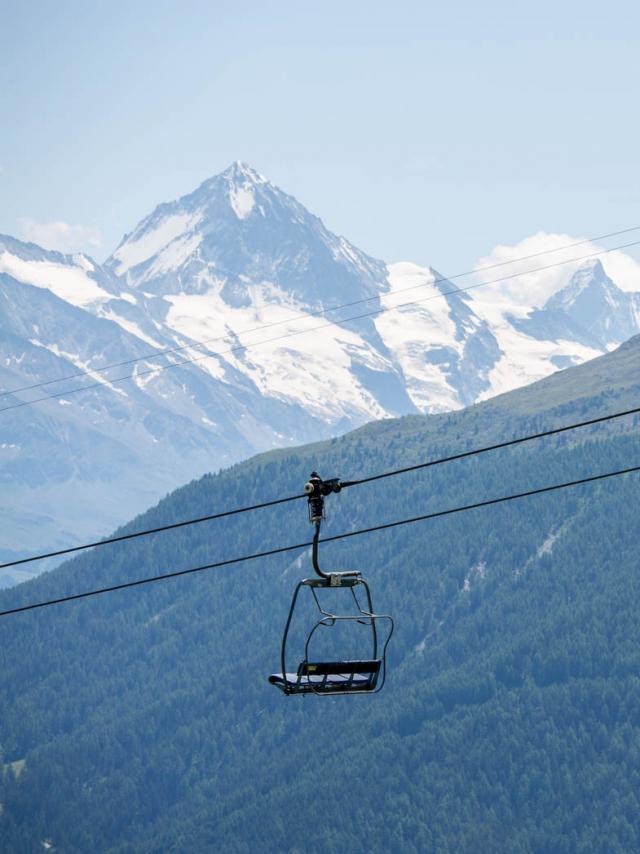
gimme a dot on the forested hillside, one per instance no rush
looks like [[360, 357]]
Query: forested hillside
[[142, 721]]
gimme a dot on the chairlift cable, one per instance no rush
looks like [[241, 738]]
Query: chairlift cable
[[344, 484], [507, 444], [283, 549], [171, 527]]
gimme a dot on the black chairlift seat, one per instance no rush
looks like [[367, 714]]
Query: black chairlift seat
[[351, 676], [330, 677]]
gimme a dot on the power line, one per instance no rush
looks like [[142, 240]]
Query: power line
[[344, 484], [281, 550], [303, 315], [382, 310]]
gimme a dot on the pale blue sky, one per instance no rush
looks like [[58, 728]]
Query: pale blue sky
[[421, 131]]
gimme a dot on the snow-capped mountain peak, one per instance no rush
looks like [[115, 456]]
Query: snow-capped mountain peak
[[242, 181], [239, 171], [237, 227], [589, 278], [596, 303]]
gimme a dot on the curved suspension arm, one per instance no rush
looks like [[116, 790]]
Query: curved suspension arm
[[314, 550]]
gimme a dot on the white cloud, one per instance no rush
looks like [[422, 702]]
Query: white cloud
[[533, 289], [61, 236]]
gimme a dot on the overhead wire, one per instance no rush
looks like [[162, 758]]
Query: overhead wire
[[554, 431], [381, 310], [348, 534], [303, 315], [148, 531]]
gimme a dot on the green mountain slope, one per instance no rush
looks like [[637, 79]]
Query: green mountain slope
[[511, 716]]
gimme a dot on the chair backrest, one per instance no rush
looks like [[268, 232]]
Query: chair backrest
[[370, 667]]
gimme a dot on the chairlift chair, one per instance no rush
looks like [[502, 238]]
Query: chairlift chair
[[348, 676]]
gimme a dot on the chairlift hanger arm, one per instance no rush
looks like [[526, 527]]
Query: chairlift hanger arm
[[314, 552], [317, 489], [334, 579]]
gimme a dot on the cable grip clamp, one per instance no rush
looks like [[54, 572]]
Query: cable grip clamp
[[316, 489]]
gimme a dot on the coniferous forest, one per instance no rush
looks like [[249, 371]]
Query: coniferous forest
[[143, 721]]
